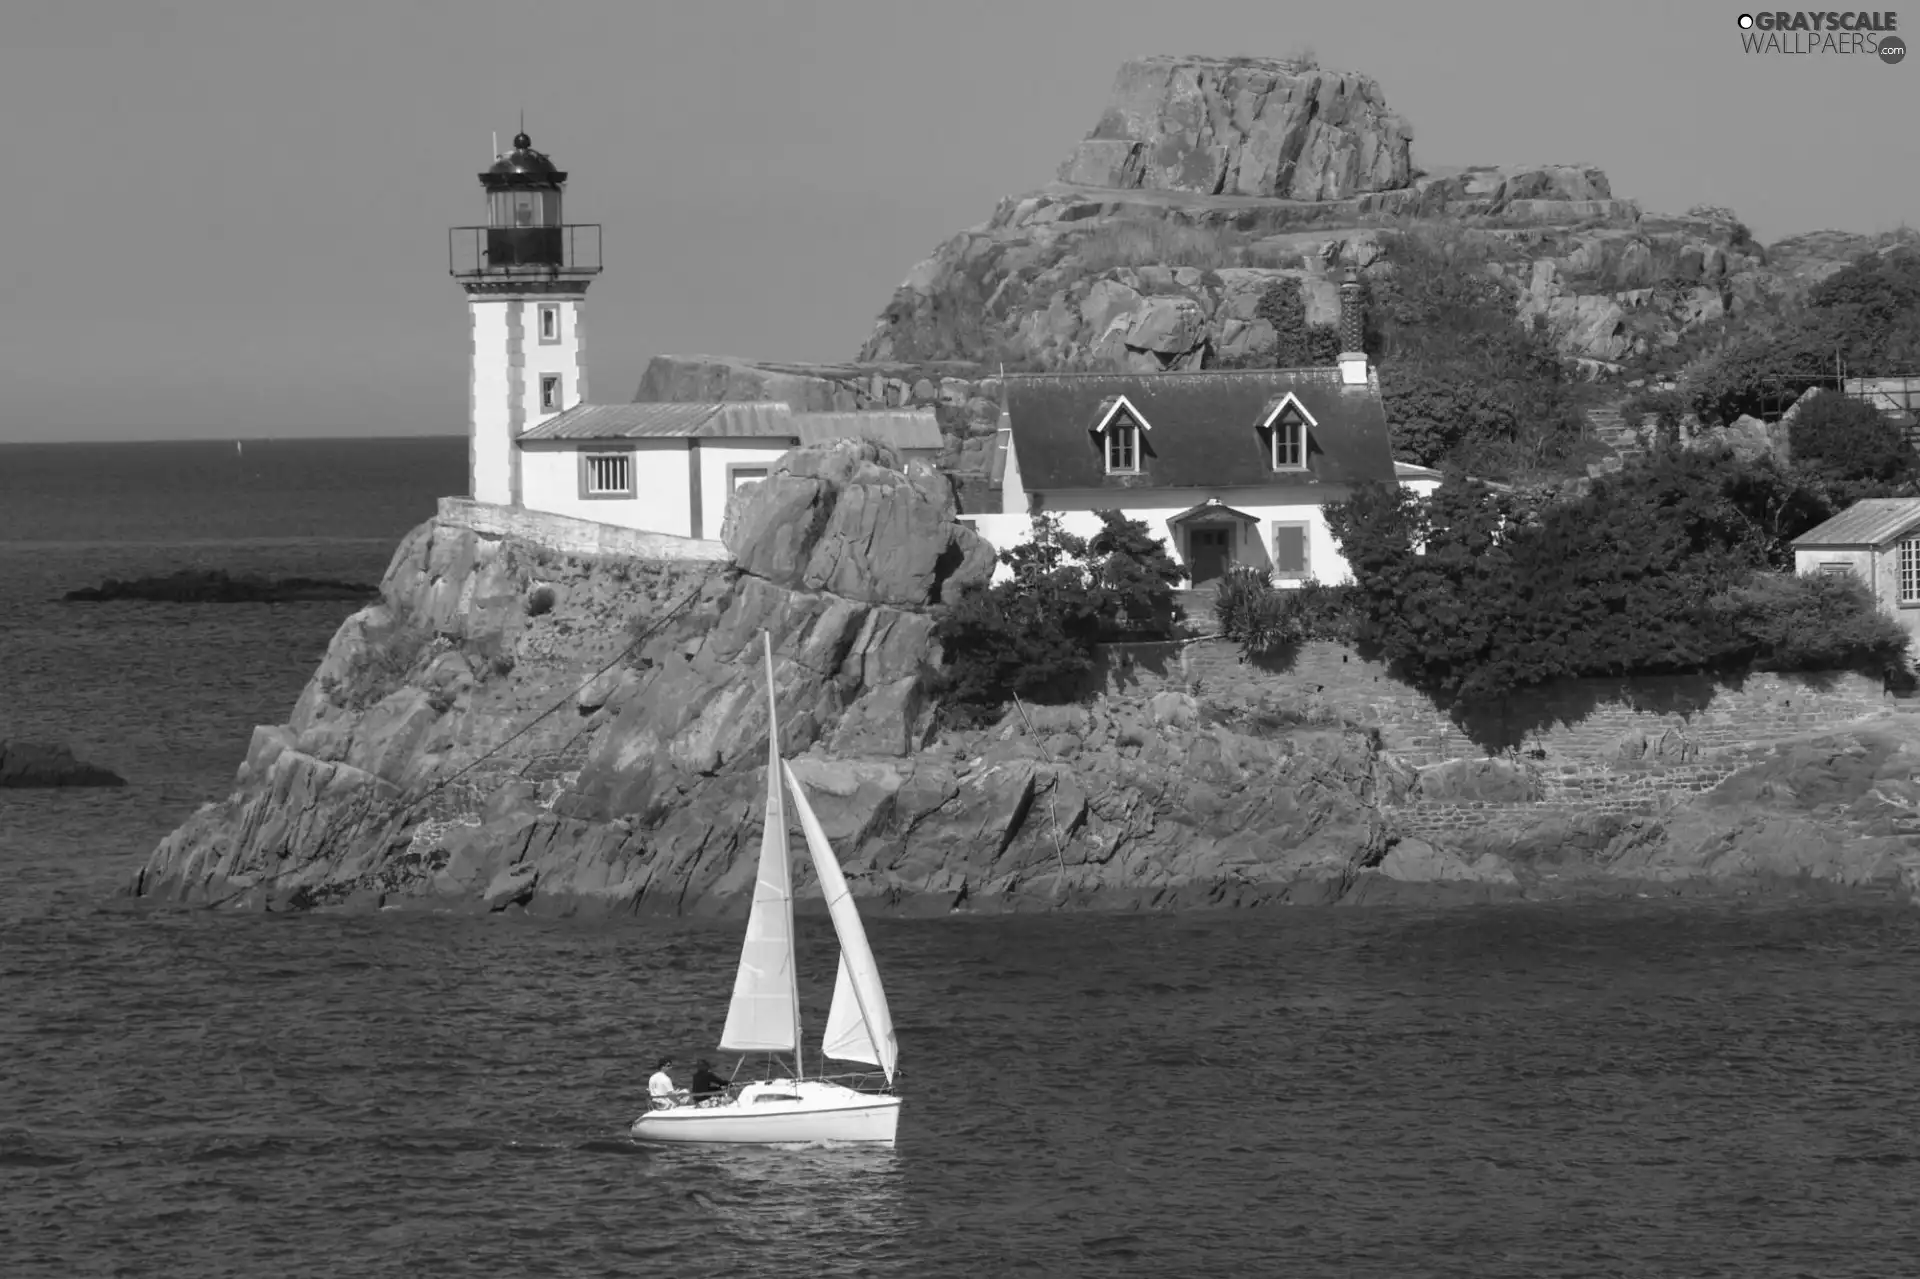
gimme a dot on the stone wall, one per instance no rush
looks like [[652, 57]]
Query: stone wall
[[1581, 749], [1576, 720], [568, 536]]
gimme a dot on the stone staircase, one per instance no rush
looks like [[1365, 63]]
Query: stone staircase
[[1612, 430]]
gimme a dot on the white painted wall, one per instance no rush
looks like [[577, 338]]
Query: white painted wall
[[715, 457], [562, 357], [550, 479], [489, 433], [508, 361], [1252, 544]]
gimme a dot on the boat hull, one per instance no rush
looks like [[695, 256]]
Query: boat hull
[[779, 1114]]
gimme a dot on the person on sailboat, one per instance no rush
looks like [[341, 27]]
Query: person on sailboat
[[706, 1085], [660, 1087]]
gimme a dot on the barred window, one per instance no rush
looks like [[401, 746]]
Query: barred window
[[609, 474], [1910, 571], [1123, 446]]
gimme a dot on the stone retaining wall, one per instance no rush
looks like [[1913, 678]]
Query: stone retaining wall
[[569, 536], [1576, 721]]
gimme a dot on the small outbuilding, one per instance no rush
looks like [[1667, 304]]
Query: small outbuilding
[[1877, 541]]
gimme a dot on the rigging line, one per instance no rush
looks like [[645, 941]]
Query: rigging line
[[402, 809]]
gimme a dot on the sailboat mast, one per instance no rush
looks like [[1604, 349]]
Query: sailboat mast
[[774, 779]]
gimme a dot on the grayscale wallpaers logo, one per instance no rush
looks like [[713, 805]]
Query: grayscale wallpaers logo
[[1831, 32]]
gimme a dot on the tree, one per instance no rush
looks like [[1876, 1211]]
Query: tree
[[1463, 381], [1474, 593], [1853, 448], [1033, 635]]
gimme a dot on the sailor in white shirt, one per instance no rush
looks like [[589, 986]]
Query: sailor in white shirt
[[660, 1087]]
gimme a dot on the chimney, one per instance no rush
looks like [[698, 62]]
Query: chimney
[[1353, 331]]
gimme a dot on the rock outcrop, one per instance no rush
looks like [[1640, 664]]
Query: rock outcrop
[[1208, 182], [513, 728], [1243, 126], [38, 765]]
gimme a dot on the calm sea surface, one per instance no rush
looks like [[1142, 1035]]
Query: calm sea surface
[[1508, 1092]]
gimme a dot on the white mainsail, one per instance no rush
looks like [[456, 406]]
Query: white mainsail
[[859, 1024], [765, 1013]]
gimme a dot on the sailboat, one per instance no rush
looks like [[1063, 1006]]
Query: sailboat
[[765, 1013]]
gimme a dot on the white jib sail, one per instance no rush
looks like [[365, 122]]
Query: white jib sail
[[859, 1025], [765, 1013]]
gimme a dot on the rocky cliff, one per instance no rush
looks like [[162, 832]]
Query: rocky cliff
[[1206, 181], [510, 726]]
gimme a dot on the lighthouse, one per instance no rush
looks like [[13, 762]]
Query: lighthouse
[[525, 273]]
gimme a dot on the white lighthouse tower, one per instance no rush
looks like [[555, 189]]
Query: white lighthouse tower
[[525, 274]]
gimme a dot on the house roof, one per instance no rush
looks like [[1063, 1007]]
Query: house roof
[[1873, 521], [896, 428], [1204, 429], [707, 420], [1408, 471], [1213, 511]]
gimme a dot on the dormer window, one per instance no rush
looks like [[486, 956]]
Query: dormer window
[[1119, 433], [1290, 445], [1286, 423]]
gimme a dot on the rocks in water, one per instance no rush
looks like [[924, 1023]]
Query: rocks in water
[[213, 586], [33, 764]]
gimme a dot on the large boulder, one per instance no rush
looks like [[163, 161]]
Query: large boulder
[[1243, 126]]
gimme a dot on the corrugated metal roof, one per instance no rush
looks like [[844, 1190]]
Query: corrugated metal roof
[[896, 428], [706, 420], [1872, 522]]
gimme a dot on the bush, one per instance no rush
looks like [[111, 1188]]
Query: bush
[[1794, 623], [1662, 409], [1298, 345], [1864, 317], [1463, 382], [1265, 619], [1620, 581], [1852, 447], [1033, 636]]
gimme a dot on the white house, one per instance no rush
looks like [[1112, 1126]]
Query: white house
[[1878, 541], [536, 443], [1227, 467], [673, 468]]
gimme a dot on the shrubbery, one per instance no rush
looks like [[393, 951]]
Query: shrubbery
[[1786, 622], [1851, 448], [1266, 620], [1652, 571], [1865, 318], [1463, 382], [1033, 636]]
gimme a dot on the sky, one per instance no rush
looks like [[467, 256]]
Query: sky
[[228, 218]]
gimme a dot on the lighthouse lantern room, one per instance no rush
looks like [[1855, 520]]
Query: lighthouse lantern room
[[525, 273]]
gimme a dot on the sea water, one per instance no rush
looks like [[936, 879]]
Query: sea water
[[1518, 1091]]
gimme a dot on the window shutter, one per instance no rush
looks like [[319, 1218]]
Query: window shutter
[[1289, 548]]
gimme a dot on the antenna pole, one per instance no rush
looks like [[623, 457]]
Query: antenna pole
[[496, 144]]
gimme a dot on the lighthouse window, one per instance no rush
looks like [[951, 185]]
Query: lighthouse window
[[549, 392], [549, 322], [606, 475]]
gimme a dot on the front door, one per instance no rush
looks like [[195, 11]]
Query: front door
[[1209, 553]]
